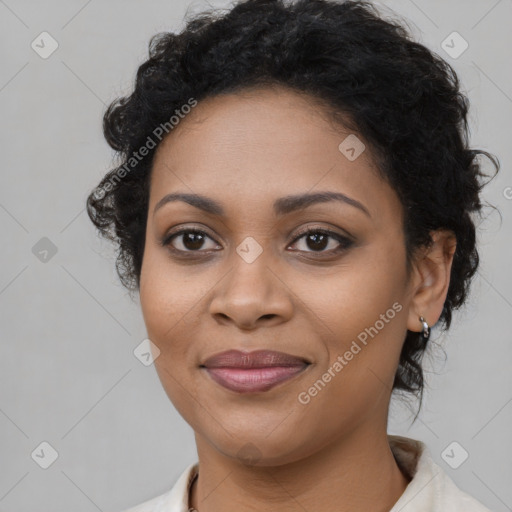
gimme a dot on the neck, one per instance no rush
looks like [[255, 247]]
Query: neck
[[356, 473]]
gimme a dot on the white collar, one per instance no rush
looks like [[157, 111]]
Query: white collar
[[430, 490]]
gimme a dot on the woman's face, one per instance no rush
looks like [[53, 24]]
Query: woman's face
[[255, 281]]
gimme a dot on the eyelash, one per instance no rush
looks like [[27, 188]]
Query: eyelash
[[344, 242]]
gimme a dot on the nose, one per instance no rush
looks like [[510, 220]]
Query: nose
[[252, 294]]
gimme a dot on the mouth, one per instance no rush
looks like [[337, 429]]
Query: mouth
[[251, 372]]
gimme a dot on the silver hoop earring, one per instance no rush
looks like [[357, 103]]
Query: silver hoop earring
[[426, 329]]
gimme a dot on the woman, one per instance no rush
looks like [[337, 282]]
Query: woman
[[293, 205]]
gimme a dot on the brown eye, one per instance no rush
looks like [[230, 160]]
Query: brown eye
[[189, 240], [317, 240]]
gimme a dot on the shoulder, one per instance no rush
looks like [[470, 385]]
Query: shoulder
[[430, 489], [174, 500], [451, 497], [147, 506]]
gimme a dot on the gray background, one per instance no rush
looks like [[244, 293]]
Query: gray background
[[68, 372]]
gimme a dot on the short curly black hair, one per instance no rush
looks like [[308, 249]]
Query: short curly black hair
[[401, 98]]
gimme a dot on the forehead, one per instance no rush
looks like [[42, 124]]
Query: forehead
[[261, 144]]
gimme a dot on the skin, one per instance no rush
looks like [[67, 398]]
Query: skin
[[246, 150]]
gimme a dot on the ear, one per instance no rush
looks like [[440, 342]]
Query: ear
[[431, 279]]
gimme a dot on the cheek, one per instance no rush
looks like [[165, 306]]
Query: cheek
[[359, 313], [166, 304], [362, 348], [167, 294], [167, 299], [355, 296]]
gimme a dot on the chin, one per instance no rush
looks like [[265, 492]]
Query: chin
[[257, 448]]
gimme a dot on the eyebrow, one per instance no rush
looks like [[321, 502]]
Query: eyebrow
[[282, 206]]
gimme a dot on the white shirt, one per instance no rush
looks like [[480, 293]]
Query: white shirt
[[430, 490]]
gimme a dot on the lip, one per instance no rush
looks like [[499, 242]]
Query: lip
[[251, 372], [254, 359]]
